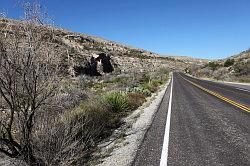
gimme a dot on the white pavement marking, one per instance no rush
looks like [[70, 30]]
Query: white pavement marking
[[243, 89], [164, 153]]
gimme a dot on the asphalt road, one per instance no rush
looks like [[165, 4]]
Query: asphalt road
[[204, 130], [240, 86]]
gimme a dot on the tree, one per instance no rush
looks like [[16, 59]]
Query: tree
[[28, 81]]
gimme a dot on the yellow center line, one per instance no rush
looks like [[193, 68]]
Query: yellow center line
[[244, 108]]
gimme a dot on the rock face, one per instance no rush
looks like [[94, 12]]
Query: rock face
[[92, 68], [84, 54]]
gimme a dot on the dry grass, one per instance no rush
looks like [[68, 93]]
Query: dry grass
[[135, 100]]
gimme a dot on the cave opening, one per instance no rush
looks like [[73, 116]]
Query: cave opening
[[91, 67]]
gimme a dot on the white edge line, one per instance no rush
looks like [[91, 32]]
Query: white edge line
[[243, 89], [164, 153]]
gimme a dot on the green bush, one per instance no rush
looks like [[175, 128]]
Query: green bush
[[149, 87], [229, 62], [156, 82], [139, 90], [152, 86], [118, 101], [213, 65]]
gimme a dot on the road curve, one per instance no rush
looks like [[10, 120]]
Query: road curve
[[204, 129]]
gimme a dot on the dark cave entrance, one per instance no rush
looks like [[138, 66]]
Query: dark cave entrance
[[91, 67], [106, 64]]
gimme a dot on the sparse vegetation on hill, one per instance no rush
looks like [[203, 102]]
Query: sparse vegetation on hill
[[235, 68], [62, 92]]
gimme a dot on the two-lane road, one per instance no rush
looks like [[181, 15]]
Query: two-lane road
[[203, 128]]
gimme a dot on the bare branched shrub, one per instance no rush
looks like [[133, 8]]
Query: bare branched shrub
[[72, 135], [34, 14], [28, 82], [2, 15]]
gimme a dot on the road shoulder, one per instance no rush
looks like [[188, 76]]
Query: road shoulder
[[121, 148]]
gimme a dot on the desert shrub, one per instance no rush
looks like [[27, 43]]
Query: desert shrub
[[156, 82], [166, 77], [213, 65], [144, 79], [135, 100], [117, 80], [242, 69], [88, 113], [149, 87], [164, 71], [99, 86], [121, 82], [67, 86], [84, 81], [71, 100], [152, 85], [229, 62], [161, 74], [139, 90], [221, 74], [206, 72], [71, 136], [138, 54], [117, 100]]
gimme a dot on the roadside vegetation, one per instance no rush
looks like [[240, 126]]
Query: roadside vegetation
[[49, 118], [236, 69]]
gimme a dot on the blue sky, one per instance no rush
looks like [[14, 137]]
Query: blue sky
[[210, 29]]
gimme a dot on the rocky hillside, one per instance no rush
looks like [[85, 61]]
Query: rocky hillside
[[190, 60], [234, 68], [77, 80], [79, 52]]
